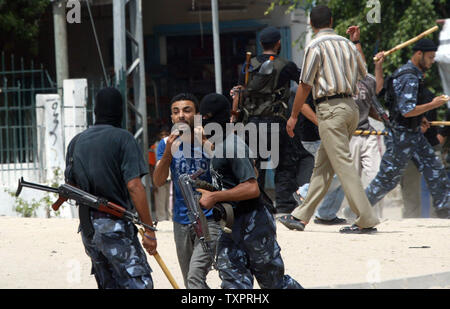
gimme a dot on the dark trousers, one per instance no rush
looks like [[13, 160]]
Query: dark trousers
[[295, 164], [252, 251], [118, 259]]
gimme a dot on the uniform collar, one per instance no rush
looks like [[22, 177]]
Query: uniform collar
[[415, 68]]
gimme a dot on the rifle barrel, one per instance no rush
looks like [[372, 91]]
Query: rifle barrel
[[23, 183]]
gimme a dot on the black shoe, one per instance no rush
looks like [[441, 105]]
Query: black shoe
[[292, 223], [354, 229], [335, 221]]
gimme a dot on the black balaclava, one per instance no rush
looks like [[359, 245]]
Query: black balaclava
[[109, 107], [216, 108]]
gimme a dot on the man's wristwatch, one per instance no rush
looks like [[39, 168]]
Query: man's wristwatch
[[356, 42]]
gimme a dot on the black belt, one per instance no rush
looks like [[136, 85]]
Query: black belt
[[342, 96]]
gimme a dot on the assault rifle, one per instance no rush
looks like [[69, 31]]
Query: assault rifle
[[68, 192], [238, 111], [222, 212], [381, 112]]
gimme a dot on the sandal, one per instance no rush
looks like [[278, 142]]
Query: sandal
[[292, 223], [354, 229]]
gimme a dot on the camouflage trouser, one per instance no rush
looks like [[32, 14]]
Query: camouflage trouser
[[402, 146], [118, 260], [252, 250]]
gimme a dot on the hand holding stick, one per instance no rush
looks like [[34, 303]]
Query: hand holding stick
[[409, 42]]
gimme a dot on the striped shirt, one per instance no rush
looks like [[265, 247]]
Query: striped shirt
[[332, 65]]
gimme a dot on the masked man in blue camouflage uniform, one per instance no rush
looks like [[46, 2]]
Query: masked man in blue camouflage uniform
[[250, 250], [106, 161], [404, 95]]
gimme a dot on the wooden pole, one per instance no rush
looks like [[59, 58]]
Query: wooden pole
[[162, 265], [409, 42]]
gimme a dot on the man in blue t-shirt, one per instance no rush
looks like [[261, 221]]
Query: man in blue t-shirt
[[181, 154]]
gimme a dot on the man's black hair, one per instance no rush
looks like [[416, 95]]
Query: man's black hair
[[268, 46], [320, 17], [185, 96]]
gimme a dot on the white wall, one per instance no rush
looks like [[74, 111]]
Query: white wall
[[56, 125]]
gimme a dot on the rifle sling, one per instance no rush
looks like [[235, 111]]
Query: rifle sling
[[84, 212]]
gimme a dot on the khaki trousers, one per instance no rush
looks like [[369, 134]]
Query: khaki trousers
[[338, 119]]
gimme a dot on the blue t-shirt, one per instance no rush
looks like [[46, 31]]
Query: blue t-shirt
[[182, 165]]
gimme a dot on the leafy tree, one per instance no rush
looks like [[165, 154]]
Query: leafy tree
[[19, 25], [401, 20]]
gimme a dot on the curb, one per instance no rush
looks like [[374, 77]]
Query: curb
[[438, 280]]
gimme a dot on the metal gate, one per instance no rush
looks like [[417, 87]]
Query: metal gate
[[19, 152]]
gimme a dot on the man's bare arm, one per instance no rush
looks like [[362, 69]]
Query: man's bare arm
[[308, 112], [302, 93], [420, 109], [162, 167], [379, 72], [139, 198]]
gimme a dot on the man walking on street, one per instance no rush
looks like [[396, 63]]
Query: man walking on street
[[331, 68], [405, 95]]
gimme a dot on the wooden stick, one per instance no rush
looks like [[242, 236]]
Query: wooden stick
[[248, 56], [369, 132], [439, 123], [409, 42], [162, 265]]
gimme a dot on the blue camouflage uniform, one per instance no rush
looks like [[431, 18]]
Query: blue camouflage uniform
[[251, 250], [118, 260], [408, 142]]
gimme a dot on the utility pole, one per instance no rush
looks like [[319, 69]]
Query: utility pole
[[216, 42], [61, 53], [136, 70]]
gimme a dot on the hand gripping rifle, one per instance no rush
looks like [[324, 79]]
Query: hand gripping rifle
[[68, 192], [187, 184]]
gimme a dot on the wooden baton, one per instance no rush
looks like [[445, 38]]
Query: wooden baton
[[369, 132], [409, 42], [248, 56], [162, 265], [439, 123]]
